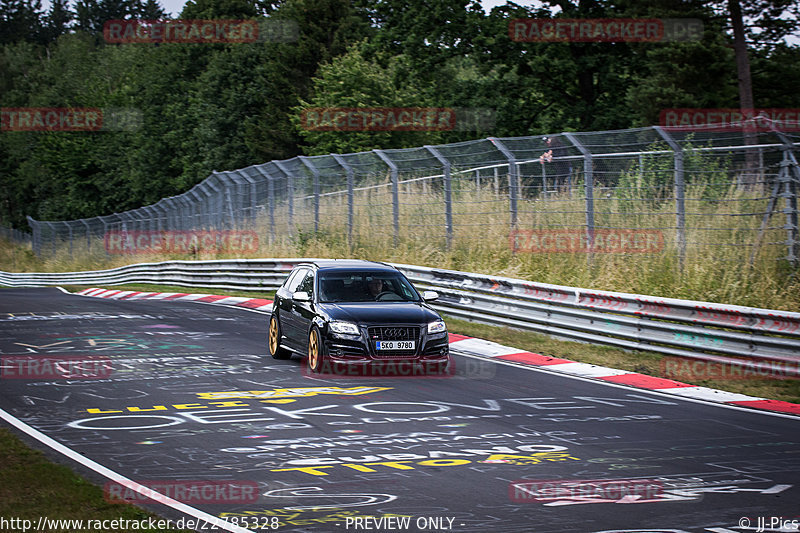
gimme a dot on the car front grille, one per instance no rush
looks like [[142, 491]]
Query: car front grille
[[394, 333]]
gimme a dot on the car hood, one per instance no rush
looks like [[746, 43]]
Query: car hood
[[381, 312]]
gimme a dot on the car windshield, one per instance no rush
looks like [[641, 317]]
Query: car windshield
[[365, 286]]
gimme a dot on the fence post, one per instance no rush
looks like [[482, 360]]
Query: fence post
[[36, 235], [69, 229], [395, 194], [270, 200], [513, 181], [52, 236], [448, 193], [289, 192], [315, 176], [251, 195], [789, 181], [588, 179], [350, 197], [680, 195], [88, 237], [252, 192]]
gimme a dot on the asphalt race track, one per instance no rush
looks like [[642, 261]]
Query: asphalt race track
[[188, 393]]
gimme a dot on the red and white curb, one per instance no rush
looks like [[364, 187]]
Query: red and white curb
[[259, 304], [492, 350]]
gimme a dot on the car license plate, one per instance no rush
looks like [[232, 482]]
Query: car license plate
[[395, 345]]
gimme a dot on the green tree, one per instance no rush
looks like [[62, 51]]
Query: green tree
[[352, 81], [20, 20]]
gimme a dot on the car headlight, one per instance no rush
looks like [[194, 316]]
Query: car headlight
[[344, 327], [437, 327]]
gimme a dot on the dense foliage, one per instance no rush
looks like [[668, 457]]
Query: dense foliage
[[204, 107]]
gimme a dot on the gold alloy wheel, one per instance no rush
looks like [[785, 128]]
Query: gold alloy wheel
[[273, 336], [313, 351]]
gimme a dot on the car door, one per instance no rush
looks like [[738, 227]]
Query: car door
[[303, 312], [288, 321]]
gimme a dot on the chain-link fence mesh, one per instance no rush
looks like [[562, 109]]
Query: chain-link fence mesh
[[728, 193], [15, 236]]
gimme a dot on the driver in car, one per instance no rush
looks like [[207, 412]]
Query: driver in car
[[375, 287]]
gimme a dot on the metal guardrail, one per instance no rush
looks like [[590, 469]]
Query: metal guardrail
[[685, 328]]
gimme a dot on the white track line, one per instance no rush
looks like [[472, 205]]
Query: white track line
[[122, 480]]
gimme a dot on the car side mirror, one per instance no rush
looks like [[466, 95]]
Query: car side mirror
[[430, 295], [301, 296]]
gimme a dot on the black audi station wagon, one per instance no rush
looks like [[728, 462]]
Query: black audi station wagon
[[356, 313]]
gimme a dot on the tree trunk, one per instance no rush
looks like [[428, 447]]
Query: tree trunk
[[750, 171]]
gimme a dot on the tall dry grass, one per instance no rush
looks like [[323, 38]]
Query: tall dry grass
[[716, 267]]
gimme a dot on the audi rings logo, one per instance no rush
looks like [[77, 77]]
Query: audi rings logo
[[394, 332]]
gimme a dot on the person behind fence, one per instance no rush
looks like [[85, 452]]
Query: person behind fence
[[558, 170]]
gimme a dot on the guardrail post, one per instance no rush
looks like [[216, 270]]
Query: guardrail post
[[289, 193], [315, 175], [588, 179], [350, 197], [513, 180], [680, 195], [395, 194], [448, 188]]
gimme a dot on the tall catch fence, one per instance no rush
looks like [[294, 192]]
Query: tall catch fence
[[15, 236], [724, 192]]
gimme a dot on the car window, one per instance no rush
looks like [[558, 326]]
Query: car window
[[365, 286], [295, 278], [307, 285]]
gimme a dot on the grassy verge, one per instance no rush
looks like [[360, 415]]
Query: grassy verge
[[32, 487]]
